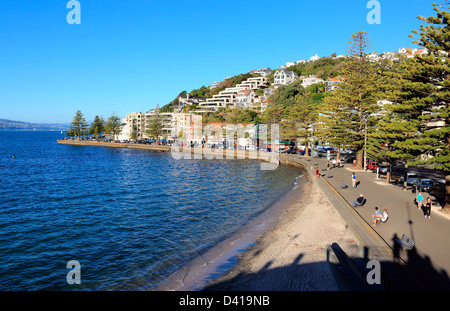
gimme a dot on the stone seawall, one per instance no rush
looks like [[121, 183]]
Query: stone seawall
[[184, 152], [157, 148]]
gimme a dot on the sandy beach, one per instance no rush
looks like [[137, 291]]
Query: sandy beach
[[291, 256], [283, 250]]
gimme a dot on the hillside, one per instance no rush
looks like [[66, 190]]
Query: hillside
[[9, 125], [325, 67]]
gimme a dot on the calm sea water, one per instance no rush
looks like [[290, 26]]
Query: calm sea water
[[130, 217]]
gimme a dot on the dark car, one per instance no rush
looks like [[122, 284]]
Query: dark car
[[438, 189], [423, 184], [291, 151], [383, 169], [348, 158]]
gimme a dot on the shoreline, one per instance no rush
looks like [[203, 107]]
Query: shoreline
[[284, 248], [291, 255], [224, 256]]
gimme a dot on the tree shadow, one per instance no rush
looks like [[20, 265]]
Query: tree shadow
[[347, 273]]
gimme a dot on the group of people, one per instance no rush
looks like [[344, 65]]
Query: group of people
[[334, 162], [426, 207], [379, 217]]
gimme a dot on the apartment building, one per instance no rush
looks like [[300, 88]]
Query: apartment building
[[134, 122], [186, 128]]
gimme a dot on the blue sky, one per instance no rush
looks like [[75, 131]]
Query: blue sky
[[129, 56]]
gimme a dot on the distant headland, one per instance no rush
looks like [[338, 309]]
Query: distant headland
[[9, 125]]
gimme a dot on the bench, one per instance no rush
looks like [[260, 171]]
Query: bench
[[405, 242]]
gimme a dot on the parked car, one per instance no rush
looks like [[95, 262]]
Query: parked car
[[410, 178], [372, 165], [383, 169], [348, 158], [291, 151], [423, 184], [437, 189]]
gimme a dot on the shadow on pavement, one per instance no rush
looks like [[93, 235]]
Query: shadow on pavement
[[349, 273]]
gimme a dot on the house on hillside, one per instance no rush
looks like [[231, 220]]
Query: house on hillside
[[310, 81], [262, 71], [245, 98], [333, 83], [189, 100], [284, 77], [314, 58]]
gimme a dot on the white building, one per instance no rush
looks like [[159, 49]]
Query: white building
[[245, 98], [186, 128], [310, 81], [284, 77], [314, 58], [262, 71], [134, 122]]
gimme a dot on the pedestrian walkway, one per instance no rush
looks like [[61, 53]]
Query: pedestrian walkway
[[431, 236]]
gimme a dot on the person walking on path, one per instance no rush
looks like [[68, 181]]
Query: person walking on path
[[317, 173], [427, 208], [339, 162], [334, 163], [419, 200], [328, 165], [353, 180]]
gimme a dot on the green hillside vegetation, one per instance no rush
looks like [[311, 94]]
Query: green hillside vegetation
[[206, 92], [283, 97], [324, 68]]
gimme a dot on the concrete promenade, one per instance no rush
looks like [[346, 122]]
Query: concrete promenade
[[428, 264]]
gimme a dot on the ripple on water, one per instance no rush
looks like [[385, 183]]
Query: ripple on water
[[130, 217]]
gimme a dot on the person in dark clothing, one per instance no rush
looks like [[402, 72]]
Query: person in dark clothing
[[359, 201], [427, 208]]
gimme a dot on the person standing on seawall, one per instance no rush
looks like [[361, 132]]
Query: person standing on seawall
[[353, 180]]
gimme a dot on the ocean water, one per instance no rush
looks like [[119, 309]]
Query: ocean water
[[129, 217]]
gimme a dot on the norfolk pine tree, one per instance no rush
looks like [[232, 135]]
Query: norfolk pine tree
[[113, 125], [344, 114], [423, 96], [155, 125], [78, 126]]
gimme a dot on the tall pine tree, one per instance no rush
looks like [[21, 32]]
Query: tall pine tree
[[422, 98], [343, 118]]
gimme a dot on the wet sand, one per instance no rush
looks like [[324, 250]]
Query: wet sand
[[284, 249]]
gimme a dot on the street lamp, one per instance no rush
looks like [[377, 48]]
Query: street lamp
[[365, 141]]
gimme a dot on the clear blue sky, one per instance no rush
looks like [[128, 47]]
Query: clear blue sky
[[129, 56]]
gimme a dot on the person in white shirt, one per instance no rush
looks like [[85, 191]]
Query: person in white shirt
[[383, 217]]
